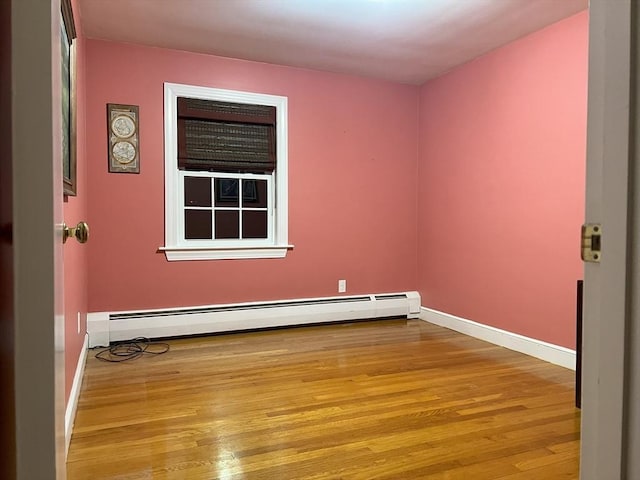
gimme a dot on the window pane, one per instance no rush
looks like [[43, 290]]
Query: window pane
[[197, 192], [254, 193], [227, 192], [227, 224], [254, 224], [197, 224]]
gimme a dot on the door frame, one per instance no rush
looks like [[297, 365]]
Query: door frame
[[610, 341]]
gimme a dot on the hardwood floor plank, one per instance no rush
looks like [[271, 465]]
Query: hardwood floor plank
[[392, 399]]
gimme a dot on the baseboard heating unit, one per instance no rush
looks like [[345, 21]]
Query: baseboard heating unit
[[106, 327]]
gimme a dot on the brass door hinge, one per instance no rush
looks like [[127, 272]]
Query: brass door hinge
[[591, 242]]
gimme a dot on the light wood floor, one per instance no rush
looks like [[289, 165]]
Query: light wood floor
[[390, 399]]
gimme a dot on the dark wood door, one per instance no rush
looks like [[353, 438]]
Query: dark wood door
[[7, 402], [579, 343]]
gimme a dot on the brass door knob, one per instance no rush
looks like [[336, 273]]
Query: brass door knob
[[80, 232]]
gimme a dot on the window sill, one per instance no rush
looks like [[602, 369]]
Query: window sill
[[176, 254]]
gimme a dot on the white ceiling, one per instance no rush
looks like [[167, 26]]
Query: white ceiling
[[407, 41]]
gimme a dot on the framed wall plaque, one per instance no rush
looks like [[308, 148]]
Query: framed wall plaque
[[124, 140], [68, 67]]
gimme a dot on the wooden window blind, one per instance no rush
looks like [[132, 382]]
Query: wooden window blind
[[225, 136]]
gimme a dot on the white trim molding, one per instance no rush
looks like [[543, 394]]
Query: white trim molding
[[565, 357], [176, 247], [225, 253], [74, 396]]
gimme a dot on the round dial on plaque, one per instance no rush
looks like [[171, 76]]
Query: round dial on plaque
[[123, 126], [124, 152]]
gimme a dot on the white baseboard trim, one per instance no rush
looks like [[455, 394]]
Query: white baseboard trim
[[106, 327], [74, 396], [565, 357]]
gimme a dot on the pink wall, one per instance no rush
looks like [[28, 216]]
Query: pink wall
[[75, 254], [501, 198], [352, 188]]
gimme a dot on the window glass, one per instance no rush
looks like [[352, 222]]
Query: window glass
[[254, 224], [227, 224], [227, 192], [197, 191], [197, 224], [254, 193]]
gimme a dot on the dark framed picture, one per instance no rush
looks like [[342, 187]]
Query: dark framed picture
[[68, 67], [123, 138]]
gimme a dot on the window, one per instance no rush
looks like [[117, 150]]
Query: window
[[225, 174]]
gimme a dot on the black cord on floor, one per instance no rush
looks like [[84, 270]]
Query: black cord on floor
[[131, 349]]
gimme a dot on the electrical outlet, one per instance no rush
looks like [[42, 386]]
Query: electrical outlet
[[342, 286], [78, 323]]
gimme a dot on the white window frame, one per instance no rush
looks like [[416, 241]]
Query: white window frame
[[176, 247]]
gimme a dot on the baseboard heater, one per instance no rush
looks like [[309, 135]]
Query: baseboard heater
[[106, 327]]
